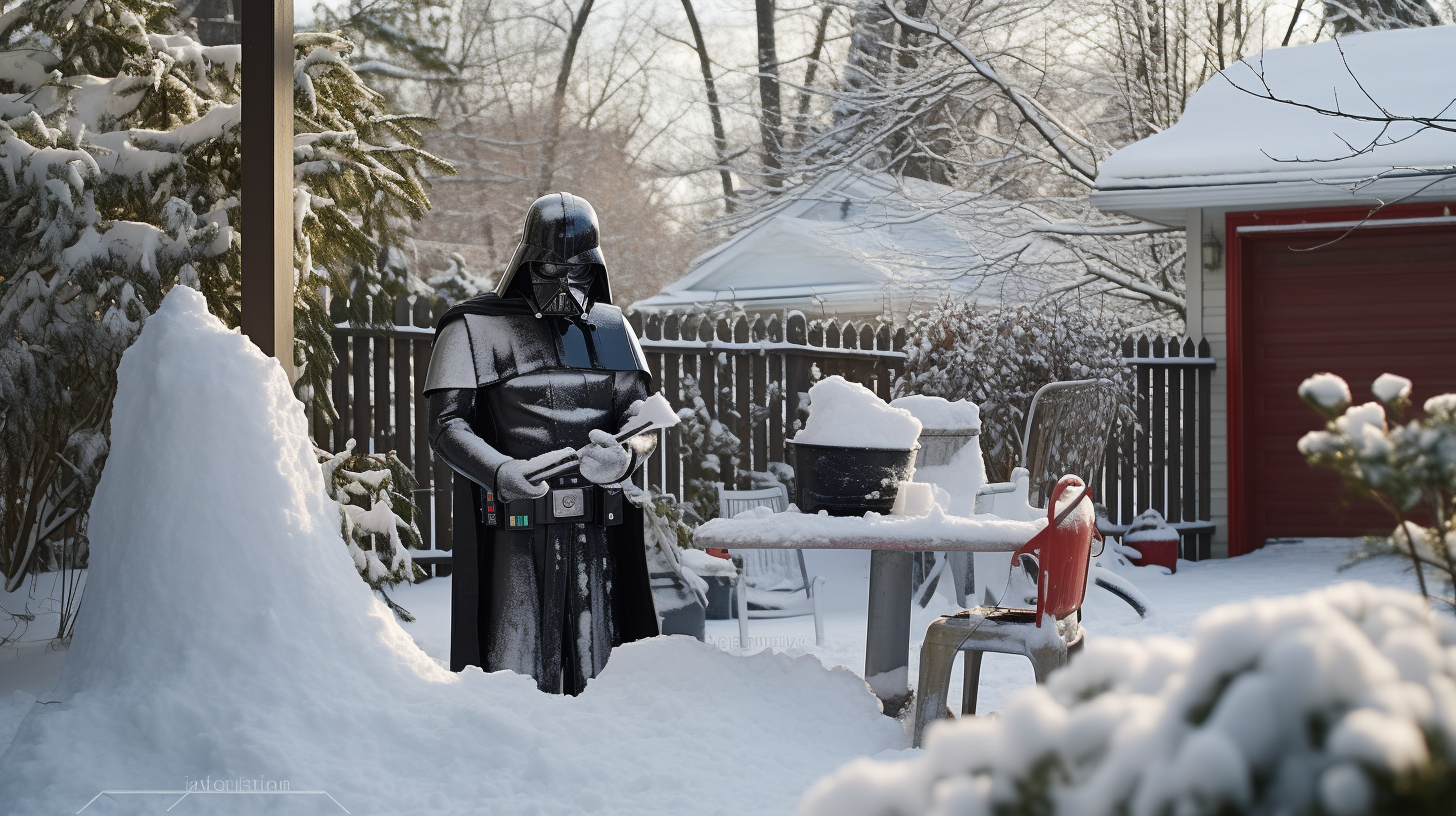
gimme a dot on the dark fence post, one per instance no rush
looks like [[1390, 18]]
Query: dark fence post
[[420, 348], [443, 480]]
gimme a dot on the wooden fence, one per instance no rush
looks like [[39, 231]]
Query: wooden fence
[[378, 393], [1163, 461], [752, 375]]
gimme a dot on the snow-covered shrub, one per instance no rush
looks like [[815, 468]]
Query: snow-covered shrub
[[998, 358], [456, 282], [1409, 469], [712, 447], [376, 516], [119, 172], [1341, 701]]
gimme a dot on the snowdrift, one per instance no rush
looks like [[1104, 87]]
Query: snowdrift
[[225, 635], [1341, 701]]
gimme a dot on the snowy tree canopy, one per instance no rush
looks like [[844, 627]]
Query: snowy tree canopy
[[119, 168]]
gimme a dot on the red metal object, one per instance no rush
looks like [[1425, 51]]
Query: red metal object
[[1156, 551], [1251, 472], [1063, 549]]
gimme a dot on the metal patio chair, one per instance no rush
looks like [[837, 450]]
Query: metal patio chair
[[1064, 550]]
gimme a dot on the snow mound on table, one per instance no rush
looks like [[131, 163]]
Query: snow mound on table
[[843, 414], [1337, 701], [225, 633]]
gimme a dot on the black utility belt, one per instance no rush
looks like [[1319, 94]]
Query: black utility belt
[[582, 503]]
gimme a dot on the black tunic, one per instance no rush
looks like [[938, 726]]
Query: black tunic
[[550, 602]]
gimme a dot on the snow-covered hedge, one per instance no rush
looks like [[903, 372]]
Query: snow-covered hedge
[[1341, 701], [998, 358]]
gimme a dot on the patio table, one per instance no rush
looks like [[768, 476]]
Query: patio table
[[893, 541]]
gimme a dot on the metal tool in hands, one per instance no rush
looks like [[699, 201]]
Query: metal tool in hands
[[651, 414]]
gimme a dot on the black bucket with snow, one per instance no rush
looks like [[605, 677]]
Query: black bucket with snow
[[834, 470], [848, 481]]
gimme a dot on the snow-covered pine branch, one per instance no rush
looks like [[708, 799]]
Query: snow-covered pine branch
[[376, 516]]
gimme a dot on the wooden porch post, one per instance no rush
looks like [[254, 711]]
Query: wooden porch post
[[267, 205]]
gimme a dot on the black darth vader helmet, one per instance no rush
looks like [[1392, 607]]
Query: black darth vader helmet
[[558, 266]]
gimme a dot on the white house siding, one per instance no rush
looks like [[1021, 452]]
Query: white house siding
[[1215, 329]]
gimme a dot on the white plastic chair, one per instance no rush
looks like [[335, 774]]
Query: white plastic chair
[[775, 583]]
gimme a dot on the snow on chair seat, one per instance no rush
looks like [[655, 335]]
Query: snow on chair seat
[[1046, 635]]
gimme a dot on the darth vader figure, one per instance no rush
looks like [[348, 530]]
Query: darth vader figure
[[549, 573]]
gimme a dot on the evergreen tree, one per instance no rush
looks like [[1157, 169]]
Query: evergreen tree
[[360, 171], [120, 178]]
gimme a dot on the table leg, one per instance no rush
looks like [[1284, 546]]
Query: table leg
[[887, 642]]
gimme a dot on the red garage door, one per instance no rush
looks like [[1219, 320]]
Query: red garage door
[[1380, 299]]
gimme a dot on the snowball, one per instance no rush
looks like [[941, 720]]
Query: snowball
[[940, 413], [1389, 388], [1325, 390], [843, 414]]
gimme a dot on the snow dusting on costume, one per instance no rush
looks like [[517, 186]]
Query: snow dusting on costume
[[544, 584]]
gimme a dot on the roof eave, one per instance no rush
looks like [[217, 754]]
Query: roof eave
[[1168, 204]]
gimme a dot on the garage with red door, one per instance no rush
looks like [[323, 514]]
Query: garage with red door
[[1332, 291]]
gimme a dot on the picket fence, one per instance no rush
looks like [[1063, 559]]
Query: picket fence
[[752, 375], [1163, 461]]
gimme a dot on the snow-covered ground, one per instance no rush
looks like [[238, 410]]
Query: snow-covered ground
[[227, 640], [765, 702], [1278, 569]]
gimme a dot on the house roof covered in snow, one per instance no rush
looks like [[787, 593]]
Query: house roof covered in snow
[[858, 244], [1233, 148]]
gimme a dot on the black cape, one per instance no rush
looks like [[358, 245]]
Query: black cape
[[635, 615]]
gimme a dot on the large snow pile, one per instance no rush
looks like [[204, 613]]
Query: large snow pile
[[225, 634], [1340, 701], [1228, 135], [843, 414]]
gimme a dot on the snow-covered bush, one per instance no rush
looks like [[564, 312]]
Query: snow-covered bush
[[706, 442], [1409, 469], [377, 516], [667, 536], [1337, 702], [998, 358]]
